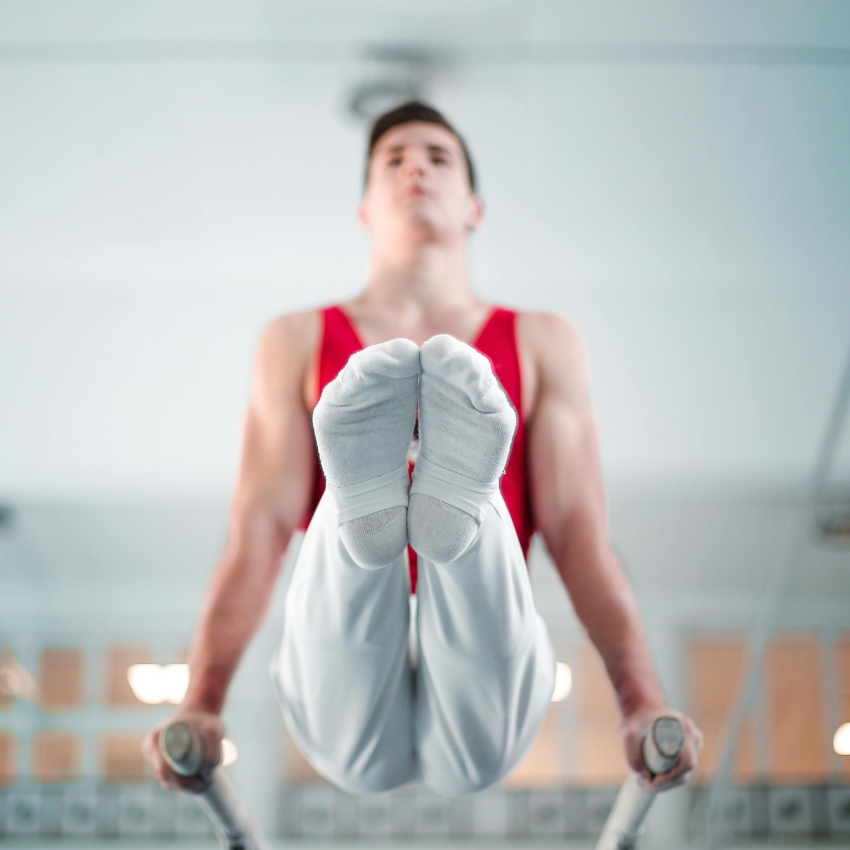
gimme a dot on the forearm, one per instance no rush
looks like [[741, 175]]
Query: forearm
[[605, 604], [615, 627], [235, 605]]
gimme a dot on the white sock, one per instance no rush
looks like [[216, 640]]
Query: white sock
[[363, 425], [466, 426]]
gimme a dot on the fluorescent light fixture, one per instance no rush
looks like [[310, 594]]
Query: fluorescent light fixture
[[229, 753], [563, 682], [155, 684], [841, 740]]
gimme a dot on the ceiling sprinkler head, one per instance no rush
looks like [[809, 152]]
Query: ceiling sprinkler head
[[373, 98], [399, 73]]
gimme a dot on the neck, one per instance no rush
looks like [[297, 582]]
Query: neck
[[429, 276]]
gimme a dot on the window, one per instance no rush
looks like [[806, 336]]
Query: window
[[796, 710], [541, 767], [296, 769], [9, 752], [117, 690], [55, 755], [7, 698], [121, 759], [715, 668], [842, 658], [601, 759], [785, 739], [62, 679]]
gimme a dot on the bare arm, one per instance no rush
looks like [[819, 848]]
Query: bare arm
[[569, 506], [271, 497]]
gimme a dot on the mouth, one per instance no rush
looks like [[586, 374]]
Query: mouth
[[416, 191]]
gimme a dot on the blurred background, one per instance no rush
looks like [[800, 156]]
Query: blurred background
[[675, 177]]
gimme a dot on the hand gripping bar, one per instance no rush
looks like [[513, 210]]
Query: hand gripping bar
[[662, 746], [183, 750]]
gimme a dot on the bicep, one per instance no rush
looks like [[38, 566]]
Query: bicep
[[567, 492], [566, 486], [278, 460], [569, 497], [277, 466]]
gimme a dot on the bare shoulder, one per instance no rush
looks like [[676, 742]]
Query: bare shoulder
[[285, 353], [291, 333], [556, 349], [544, 330]]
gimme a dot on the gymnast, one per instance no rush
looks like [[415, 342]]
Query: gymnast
[[421, 435]]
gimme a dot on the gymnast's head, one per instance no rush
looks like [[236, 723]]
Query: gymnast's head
[[420, 181]]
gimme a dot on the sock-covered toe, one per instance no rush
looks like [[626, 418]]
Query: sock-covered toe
[[466, 428], [363, 424]]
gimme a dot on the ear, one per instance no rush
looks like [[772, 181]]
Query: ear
[[476, 213], [363, 215]]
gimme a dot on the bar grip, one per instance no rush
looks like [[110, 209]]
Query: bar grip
[[183, 750], [662, 746]]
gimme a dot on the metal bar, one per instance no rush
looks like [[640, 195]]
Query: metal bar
[[183, 749], [662, 746]]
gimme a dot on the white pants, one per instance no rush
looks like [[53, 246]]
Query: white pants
[[368, 721]]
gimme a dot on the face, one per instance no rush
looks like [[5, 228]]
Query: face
[[418, 184]]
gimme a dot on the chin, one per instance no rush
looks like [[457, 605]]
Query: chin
[[424, 223]]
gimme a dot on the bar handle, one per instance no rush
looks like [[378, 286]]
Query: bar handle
[[662, 746], [183, 750]]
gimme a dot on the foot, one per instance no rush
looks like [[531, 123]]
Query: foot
[[466, 425], [363, 424]]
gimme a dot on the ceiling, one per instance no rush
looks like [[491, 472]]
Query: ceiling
[[673, 176]]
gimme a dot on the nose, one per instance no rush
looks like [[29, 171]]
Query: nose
[[414, 165]]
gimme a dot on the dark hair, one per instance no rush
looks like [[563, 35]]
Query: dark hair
[[407, 113]]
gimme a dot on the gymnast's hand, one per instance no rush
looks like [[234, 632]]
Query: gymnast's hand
[[632, 730], [211, 730]]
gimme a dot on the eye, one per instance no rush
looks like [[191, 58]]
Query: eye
[[395, 160]]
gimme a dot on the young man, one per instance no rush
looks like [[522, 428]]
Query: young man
[[505, 443]]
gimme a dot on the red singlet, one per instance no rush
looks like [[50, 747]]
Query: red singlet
[[497, 341]]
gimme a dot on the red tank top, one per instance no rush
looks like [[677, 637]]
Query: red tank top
[[497, 341]]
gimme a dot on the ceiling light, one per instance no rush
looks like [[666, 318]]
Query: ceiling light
[[841, 740], [154, 684], [177, 682], [146, 683], [229, 753], [563, 682]]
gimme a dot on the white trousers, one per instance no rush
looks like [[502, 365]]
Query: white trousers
[[356, 707]]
